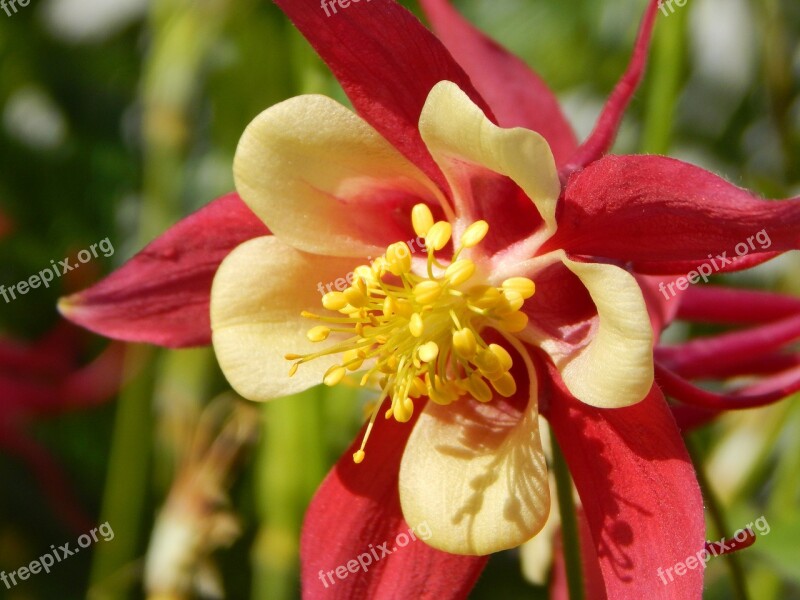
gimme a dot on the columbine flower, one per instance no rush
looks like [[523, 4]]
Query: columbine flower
[[539, 282]]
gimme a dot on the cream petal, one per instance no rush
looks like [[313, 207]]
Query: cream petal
[[477, 475], [258, 294], [616, 368], [457, 132], [325, 182]]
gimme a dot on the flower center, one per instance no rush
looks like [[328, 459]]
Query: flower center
[[420, 335]]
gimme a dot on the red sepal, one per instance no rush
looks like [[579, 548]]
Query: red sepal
[[664, 216], [357, 510], [639, 492], [161, 296]]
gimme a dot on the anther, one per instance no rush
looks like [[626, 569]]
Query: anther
[[318, 334], [421, 219], [474, 234], [438, 235], [460, 271], [522, 285]]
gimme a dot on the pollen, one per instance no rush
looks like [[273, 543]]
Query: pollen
[[418, 334]]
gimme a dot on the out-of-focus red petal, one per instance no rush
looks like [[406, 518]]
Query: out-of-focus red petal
[[355, 512], [767, 391], [701, 357], [50, 478], [161, 296], [664, 216], [602, 137], [98, 381], [56, 353], [639, 492], [5, 225], [387, 63], [730, 306], [517, 95], [25, 396], [765, 364], [594, 586]]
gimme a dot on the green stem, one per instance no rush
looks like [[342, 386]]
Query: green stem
[[569, 524], [777, 63], [717, 516], [182, 34], [127, 482], [664, 82]]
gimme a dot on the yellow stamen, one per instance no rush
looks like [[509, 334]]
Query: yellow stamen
[[479, 389], [460, 271], [505, 385], [334, 301], [421, 219], [334, 375], [398, 258], [427, 292], [474, 234], [502, 355], [318, 334], [515, 322], [428, 352], [356, 297], [465, 344], [416, 326], [419, 334], [522, 285], [438, 236]]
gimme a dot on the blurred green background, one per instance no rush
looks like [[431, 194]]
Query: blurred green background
[[118, 117]]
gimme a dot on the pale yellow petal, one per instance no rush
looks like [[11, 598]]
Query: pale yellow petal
[[457, 133], [476, 474], [616, 368], [325, 182], [256, 300]]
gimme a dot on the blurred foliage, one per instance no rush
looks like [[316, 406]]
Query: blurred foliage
[[119, 117]]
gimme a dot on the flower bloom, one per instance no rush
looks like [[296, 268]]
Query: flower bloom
[[537, 294], [425, 326]]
